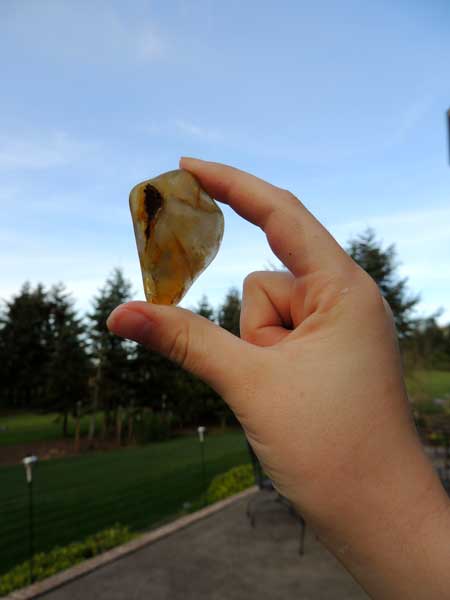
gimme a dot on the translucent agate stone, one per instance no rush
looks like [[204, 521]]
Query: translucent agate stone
[[178, 230]]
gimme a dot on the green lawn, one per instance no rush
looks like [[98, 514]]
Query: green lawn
[[139, 487], [426, 385], [24, 427]]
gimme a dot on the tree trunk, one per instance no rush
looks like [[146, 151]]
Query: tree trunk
[[93, 417], [77, 427], [119, 425], [95, 404], [65, 423], [130, 422], [105, 423]]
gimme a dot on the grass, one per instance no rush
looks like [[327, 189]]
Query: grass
[[25, 427], [139, 487], [426, 385]]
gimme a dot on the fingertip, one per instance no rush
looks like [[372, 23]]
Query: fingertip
[[185, 161], [127, 322], [114, 316]]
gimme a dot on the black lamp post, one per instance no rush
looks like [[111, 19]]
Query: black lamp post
[[28, 462], [201, 435]]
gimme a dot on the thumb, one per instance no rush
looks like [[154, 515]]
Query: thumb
[[195, 343]]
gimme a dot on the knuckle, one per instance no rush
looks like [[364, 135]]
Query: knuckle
[[252, 280], [373, 299], [178, 351], [249, 335], [291, 198]]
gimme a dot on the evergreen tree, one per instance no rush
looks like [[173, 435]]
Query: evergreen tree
[[429, 348], [68, 367], [381, 265], [153, 379], [25, 346], [205, 309], [205, 404], [111, 355], [230, 311], [161, 385], [197, 402]]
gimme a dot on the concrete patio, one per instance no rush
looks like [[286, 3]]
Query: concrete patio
[[221, 557]]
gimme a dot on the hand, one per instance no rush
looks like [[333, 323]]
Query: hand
[[315, 381]]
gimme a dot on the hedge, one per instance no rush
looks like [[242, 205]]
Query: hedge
[[232, 482], [46, 564], [58, 559]]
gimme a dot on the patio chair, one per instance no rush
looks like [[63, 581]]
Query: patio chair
[[263, 499]]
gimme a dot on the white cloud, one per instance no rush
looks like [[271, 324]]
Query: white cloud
[[201, 133], [89, 31], [149, 45], [409, 119], [408, 227], [36, 151], [186, 128], [423, 271]]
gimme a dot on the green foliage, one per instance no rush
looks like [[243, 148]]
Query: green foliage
[[58, 559], [85, 368], [25, 427], [139, 486], [427, 408], [25, 342], [68, 366], [436, 438], [230, 311], [110, 354], [424, 385], [205, 309], [42, 352], [153, 379], [153, 427], [381, 265], [191, 399], [232, 482], [429, 348]]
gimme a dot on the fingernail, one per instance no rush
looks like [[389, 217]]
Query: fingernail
[[129, 324], [187, 158]]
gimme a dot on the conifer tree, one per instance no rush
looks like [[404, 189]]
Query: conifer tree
[[25, 345], [68, 368], [110, 354], [381, 264], [230, 311]]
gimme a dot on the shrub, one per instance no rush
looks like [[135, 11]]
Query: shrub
[[436, 438], [233, 481], [429, 408], [46, 564]]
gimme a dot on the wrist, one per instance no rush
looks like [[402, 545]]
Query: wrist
[[390, 528]]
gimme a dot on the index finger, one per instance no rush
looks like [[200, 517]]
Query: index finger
[[296, 237]]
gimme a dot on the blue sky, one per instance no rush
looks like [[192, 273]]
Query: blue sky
[[342, 102]]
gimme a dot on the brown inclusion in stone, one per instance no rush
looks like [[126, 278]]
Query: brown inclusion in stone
[[153, 202], [178, 230]]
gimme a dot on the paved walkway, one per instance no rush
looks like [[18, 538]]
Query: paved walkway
[[222, 558]]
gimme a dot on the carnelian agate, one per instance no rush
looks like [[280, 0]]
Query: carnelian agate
[[178, 230]]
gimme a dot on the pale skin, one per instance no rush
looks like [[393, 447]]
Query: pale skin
[[317, 384]]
